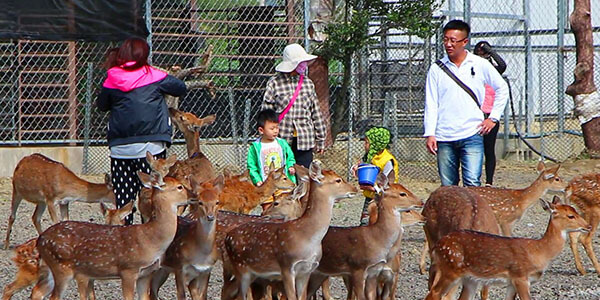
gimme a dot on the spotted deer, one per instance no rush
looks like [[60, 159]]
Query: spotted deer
[[452, 208], [509, 205], [193, 251], [86, 251], [379, 243], [584, 192], [27, 260], [196, 165], [47, 183], [471, 257], [290, 250]]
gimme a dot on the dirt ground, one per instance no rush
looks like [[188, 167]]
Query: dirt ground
[[560, 281]]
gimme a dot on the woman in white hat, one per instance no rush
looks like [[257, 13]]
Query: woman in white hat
[[293, 96]]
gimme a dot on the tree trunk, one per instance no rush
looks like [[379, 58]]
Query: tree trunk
[[318, 72], [342, 103], [583, 89]]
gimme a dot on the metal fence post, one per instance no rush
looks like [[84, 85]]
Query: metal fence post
[[148, 17], [87, 117], [245, 129], [528, 70], [560, 61], [234, 126]]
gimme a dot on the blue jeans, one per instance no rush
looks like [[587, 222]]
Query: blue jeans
[[467, 154]]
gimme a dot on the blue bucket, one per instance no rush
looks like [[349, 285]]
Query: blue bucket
[[367, 174]]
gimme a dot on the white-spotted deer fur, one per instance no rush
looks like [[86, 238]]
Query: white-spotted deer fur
[[87, 251], [47, 183], [472, 257], [509, 205], [196, 165], [27, 260], [379, 243], [241, 196], [289, 250], [193, 251], [452, 208], [584, 192]]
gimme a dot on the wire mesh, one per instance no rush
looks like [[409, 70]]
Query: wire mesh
[[48, 88]]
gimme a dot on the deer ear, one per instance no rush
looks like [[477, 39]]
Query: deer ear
[[300, 190], [547, 206], [219, 182], [556, 200], [108, 180], [147, 180], [382, 181], [150, 158], [271, 167], [208, 119], [315, 172], [125, 210], [171, 160], [103, 208], [540, 166]]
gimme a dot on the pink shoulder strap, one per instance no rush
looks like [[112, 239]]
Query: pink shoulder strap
[[296, 92]]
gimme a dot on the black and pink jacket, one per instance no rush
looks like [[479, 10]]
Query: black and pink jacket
[[138, 111]]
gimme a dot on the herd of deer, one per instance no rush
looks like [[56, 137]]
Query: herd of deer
[[291, 249]]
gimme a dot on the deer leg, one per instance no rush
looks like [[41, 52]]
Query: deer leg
[[37, 216], [441, 287], [64, 211], [506, 229], [315, 280], [53, 212], [158, 279], [82, 286], [180, 284], [198, 286], [587, 241], [522, 287], [91, 292], [128, 281], [244, 282], [325, 287], [60, 284], [371, 287], [485, 291], [349, 287], [423, 260], [468, 290], [289, 284], [142, 286], [358, 284], [44, 285], [511, 293], [14, 205], [301, 286], [574, 242]]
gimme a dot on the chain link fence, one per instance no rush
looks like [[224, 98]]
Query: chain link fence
[[49, 87]]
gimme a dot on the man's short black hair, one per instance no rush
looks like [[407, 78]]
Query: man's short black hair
[[458, 25], [266, 115]]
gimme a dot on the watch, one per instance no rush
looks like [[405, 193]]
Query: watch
[[494, 120]]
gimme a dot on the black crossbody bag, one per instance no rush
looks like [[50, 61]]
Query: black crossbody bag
[[460, 83]]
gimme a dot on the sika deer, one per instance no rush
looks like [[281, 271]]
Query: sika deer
[[471, 256], [379, 243], [27, 260], [45, 182], [86, 251], [241, 196], [510, 204], [451, 208], [289, 250], [584, 192], [192, 253], [160, 168]]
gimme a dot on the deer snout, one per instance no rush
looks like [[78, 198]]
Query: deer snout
[[586, 229], [210, 217]]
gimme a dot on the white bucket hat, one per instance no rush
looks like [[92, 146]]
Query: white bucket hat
[[293, 55]]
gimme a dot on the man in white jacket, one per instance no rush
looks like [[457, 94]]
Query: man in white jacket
[[454, 122]]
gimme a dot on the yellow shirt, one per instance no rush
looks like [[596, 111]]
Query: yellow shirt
[[380, 160]]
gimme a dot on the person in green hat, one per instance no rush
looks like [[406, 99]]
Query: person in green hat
[[377, 142]]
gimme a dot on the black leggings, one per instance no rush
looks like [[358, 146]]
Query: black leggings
[[303, 157], [489, 151], [126, 184]]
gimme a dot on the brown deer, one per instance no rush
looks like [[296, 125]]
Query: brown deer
[[196, 165], [46, 183], [288, 250], [27, 259], [86, 251], [193, 251], [241, 196], [379, 243], [451, 208], [509, 205], [159, 169], [472, 257], [584, 192]]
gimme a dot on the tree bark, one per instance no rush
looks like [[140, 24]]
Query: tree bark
[[581, 24], [318, 72]]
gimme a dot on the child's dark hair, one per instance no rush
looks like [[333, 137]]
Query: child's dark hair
[[458, 25], [266, 115]]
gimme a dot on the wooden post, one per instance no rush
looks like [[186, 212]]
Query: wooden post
[[72, 80], [318, 72], [583, 90], [291, 19]]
